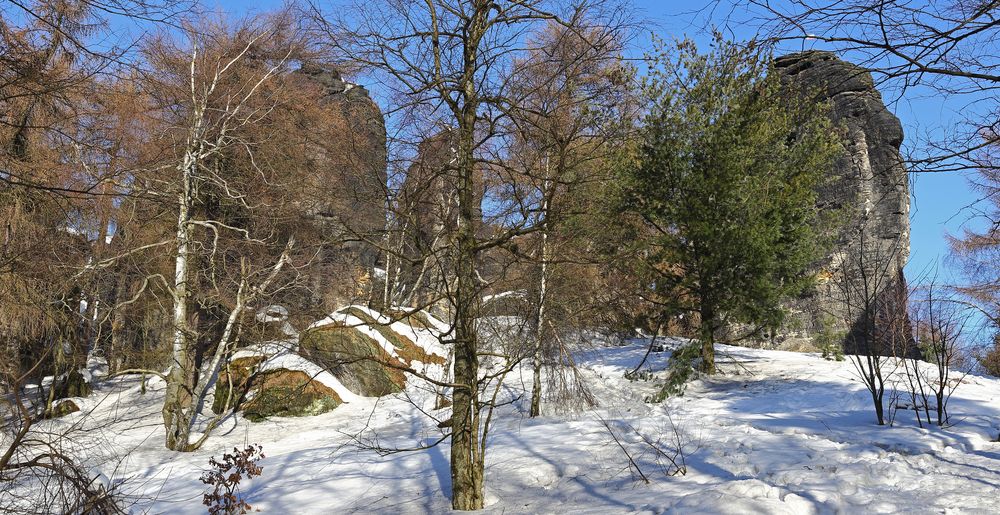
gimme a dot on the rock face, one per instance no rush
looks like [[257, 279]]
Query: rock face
[[429, 207], [349, 186], [353, 152], [861, 276]]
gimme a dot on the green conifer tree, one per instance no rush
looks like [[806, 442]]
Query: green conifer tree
[[725, 180]]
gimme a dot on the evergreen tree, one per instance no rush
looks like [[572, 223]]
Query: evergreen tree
[[725, 180]]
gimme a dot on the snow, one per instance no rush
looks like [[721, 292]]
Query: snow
[[272, 313], [776, 432], [96, 368], [275, 313], [517, 294]]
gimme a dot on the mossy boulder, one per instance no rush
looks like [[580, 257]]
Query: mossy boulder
[[63, 408], [234, 382], [72, 385], [356, 359], [271, 393]]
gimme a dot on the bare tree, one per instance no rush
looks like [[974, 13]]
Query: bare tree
[[222, 88], [939, 322], [574, 91], [873, 307], [977, 252], [39, 467], [60, 157], [446, 66]]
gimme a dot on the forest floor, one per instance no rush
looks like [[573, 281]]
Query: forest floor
[[774, 432]]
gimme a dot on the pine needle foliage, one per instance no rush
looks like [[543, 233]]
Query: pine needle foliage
[[725, 179]]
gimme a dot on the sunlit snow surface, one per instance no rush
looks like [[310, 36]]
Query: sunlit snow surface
[[777, 432]]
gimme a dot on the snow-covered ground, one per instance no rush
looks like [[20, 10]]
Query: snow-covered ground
[[776, 432]]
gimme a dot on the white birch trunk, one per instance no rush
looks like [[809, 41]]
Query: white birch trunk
[[176, 404], [536, 386]]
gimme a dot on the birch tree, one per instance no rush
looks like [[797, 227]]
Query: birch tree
[[228, 88], [575, 92]]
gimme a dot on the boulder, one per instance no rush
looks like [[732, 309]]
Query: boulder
[[62, 408], [366, 351], [415, 319], [272, 324], [407, 351], [356, 359], [272, 393]]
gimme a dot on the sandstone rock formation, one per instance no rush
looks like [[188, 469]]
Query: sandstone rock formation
[[272, 393], [868, 199], [352, 150], [428, 210], [348, 185]]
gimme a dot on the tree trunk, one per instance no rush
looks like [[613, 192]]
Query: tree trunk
[[879, 409], [708, 341], [117, 340], [180, 377], [466, 464], [466, 459], [466, 452], [536, 376], [177, 403]]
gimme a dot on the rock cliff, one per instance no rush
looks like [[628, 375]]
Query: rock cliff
[[866, 198], [348, 185]]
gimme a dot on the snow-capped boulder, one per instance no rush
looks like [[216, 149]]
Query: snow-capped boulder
[[260, 391], [357, 359], [367, 351], [272, 325]]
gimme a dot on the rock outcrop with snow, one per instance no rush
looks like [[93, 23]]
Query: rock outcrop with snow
[[369, 351]]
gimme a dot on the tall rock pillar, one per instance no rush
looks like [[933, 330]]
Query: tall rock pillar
[[861, 282]]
